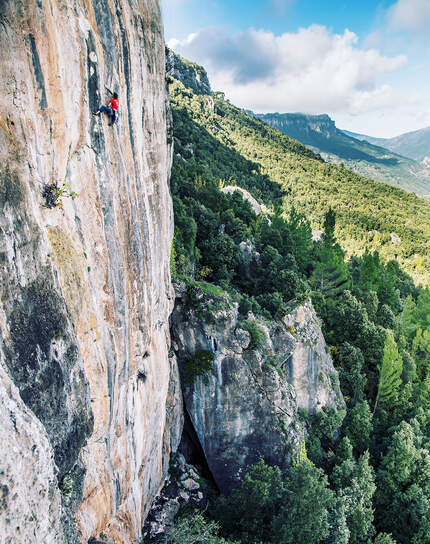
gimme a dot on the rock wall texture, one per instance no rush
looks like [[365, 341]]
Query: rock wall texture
[[90, 400], [246, 407]]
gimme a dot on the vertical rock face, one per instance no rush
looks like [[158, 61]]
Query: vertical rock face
[[246, 407], [90, 402]]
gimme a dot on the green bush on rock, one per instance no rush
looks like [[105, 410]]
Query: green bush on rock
[[200, 364]]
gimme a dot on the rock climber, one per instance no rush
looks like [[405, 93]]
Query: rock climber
[[111, 109]]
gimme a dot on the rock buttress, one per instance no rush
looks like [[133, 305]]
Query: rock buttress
[[246, 407], [85, 288]]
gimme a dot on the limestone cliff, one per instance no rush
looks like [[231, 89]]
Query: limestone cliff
[[191, 74], [89, 398], [247, 406]]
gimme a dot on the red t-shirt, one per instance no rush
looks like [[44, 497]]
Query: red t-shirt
[[114, 103]]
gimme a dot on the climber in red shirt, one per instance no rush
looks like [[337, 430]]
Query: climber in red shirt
[[111, 109]]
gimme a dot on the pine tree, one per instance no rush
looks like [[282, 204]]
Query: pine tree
[[330, 275], [301, 237], [369, 271], [402, 498], [354, 482], [329, 225], [390, 371]]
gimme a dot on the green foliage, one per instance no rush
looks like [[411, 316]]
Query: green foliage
[[303, 514], [302, 456], [173, 259], [193, 529], [350, 364], [323, 427], [403, 493], [338, 526], [53, 193], [200, 364], [247, 512], [384, 538], [271, 508], [330, 276], [409, 367], [258, 336], [325, 422], [354, 484], [385, 317], [421, 350], [375, 319], [359, 426], [66, 486], [390, 372]]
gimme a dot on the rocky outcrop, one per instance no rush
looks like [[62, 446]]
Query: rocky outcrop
[[183, 488], [297, 124], [246, 407], [192, 75], [246, 195], [90, 400]]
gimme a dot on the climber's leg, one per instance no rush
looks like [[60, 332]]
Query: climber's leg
[[113, 118]]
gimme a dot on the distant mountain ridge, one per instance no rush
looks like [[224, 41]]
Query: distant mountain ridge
[[321, 134], [415, 145]]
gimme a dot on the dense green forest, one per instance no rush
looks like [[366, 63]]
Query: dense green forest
[[364, 476]]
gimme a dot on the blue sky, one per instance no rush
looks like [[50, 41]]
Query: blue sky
[[186, 16], [365, 62]]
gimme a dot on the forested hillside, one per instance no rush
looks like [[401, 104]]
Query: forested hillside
[[363, 476], [232, 147], [370, 160]]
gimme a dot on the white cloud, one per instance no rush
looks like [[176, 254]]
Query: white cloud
[[312, 70], [412, 15], [363, 101]]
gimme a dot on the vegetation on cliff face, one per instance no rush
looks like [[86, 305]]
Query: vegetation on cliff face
[[366, 477]]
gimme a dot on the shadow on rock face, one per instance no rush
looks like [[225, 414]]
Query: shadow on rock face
[[41, 358]]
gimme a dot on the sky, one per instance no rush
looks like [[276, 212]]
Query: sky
[[364, 62]]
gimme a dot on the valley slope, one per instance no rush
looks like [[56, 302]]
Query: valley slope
[[234, 338], [367, 158], [415, 144], [221, 142]]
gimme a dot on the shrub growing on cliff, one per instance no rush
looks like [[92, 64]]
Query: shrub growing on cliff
[[258, 336], [200, 364], [53, 193]]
